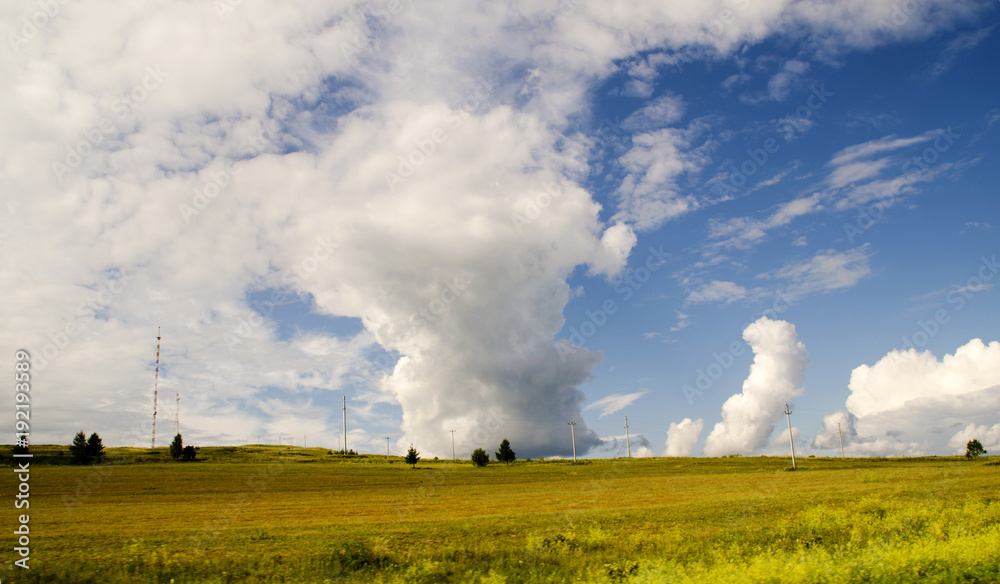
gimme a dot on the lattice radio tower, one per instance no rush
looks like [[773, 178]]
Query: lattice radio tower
[[156, 381], [177, 416]]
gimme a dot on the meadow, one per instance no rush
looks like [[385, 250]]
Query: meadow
[[289, 514]]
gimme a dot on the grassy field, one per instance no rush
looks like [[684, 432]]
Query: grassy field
[[270, 514]]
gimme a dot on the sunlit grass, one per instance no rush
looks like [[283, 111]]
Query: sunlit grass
[[275, 514]]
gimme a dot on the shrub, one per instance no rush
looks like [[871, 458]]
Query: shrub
[[480, 458], [189, 453]]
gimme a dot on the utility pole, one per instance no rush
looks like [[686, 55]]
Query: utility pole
[[156, 381], [387, 449], [572, 426], [841, 440], [453, 459], [628, 445], [345, 424], [788, 414]]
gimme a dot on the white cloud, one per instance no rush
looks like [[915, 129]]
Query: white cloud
[[888, 143], [661, 112], [776, 378], [852, 172], [718, 291], [683, 321], [682, 437], [988, 436], [826, 271], [903, 376], [616, 244], [837, 427], [649, 194], [781, 84], [911, 403], [744, 232], [615, 402]]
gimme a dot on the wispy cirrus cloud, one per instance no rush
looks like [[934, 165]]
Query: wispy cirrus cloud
[[964, 43], [615, 402], [856, 175]]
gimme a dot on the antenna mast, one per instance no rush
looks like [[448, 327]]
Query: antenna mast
[[345, 424], [177, 416], [156, 381]]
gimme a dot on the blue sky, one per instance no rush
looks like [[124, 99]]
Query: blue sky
[[501, 218], [918, 250]]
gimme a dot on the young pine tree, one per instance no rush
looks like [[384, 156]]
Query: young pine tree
[[505, 454], [177, 447], [95, 447], [79, 449], [412, 456]]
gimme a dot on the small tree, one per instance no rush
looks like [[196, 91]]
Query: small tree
[[189, 453], [480, 458], [177, 447], [412, 456], [505, 454], [973, 449], [81, 455], [95, 447]]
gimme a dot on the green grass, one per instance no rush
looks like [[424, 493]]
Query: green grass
[[286, 514]]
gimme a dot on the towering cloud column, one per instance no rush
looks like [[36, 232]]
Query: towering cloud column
[[776, 377]]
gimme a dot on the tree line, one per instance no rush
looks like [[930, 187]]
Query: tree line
[[479, 456], [91, 450]]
